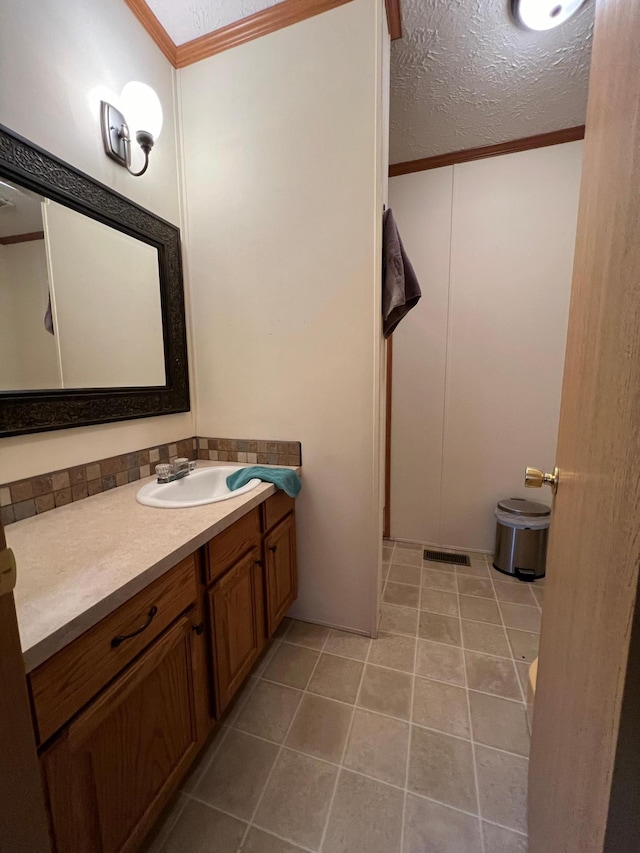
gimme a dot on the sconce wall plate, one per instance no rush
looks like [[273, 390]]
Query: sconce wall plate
[[115, 134]]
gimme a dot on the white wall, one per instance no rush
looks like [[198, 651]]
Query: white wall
[[55, 60], [282, 140], [28, 353], [478, 364]]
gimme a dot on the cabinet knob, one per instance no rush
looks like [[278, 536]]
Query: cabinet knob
[[258, 562], [273, 548], [199, 628]]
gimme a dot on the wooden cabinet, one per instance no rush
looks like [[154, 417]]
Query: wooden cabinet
[[235, 608], [118, 762], [281, 579], [122, 711]]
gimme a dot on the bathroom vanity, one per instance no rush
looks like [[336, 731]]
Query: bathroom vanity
[[161, 615]]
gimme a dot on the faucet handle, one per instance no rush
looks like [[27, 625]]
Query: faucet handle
[[163, 472], [181, 464], [192, 465]]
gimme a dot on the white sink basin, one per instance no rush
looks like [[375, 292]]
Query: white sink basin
[[203, 486]]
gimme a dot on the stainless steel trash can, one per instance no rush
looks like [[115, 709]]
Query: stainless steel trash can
[[522, 531]]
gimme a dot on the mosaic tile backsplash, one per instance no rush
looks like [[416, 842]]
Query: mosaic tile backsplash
[[35, 495]]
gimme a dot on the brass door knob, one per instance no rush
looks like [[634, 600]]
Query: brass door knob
[[534, 478]]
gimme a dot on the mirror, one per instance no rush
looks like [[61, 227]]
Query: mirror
[[91, 300]]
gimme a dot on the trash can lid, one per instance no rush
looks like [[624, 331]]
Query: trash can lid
[[520, 506]]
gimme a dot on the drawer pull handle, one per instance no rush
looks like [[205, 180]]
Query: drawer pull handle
[[273, 548], [199, 628], [122, 637]]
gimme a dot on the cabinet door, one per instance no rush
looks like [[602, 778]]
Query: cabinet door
[[117, 764], [281, 575], [235, 608]]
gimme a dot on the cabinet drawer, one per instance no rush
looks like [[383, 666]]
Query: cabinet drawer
[[228, 547], [275, 508], [68, 680]]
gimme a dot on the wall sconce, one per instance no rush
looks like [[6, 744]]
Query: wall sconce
[[142, 107], [544, 14]]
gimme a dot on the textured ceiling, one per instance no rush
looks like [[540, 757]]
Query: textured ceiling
[[185, 20], [465, 75]]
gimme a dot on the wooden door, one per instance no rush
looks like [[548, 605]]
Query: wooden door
[[584, 788], [281, 576], [117, 764], [235, 607], [23, 820]]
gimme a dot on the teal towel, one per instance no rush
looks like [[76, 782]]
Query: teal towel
[[282, 478]]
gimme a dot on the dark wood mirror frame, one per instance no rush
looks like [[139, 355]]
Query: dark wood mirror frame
[[37, 411]]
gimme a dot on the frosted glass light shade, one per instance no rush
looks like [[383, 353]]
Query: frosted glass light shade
[[142, 109], [544, 14]]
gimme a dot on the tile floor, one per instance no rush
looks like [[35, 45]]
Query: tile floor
[[416, 742]]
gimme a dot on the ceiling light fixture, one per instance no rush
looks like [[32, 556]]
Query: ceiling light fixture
[[544, 14], [142, 107]]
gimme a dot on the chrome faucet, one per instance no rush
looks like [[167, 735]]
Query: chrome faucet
[[168, 472]]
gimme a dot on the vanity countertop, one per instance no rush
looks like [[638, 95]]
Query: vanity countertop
[[78, 563]]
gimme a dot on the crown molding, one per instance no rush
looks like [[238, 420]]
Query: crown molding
[[283, 14], [541, 140]]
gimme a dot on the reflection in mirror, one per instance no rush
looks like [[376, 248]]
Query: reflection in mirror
[[79, 300]]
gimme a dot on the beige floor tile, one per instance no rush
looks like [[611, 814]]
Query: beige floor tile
[[296, 800], [433, 828], [441, 706], [405, 557], [158, 835], [282, 628], [405, 574], [492, 675], [439, 628], [441, 767], [499, 840], [437, 601], [480, 609], [291, 665], [202, 829], [522, 669], [258, 841], [444, 581], [408, 546], [386, 691], [307, 634], [337, 678], [490, 639], [234, 780], [499, 722], [521, 616], [393, 650], [269, 711], [444, 663], [387, 553], [241, 698], [502, 780], [401, 594], [347, 645], [475, 570], [538, 594], [399, 620], [481, 587], [524, 645], [378, 747], [439, 567], [320, 728], [516, 592], [204, 759], [366, 817]]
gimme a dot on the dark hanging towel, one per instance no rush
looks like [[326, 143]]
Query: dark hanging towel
[[400, 288]]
